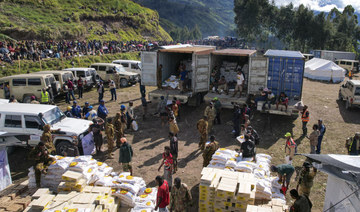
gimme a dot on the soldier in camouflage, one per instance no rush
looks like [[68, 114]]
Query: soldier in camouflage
[[40, 155], [110, 133], [306, 179], [210, 149], [180, 200], [46, 138], [202, 127], [119, 133], [210, 113]]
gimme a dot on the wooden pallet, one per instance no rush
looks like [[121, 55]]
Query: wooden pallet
[[16, 197]]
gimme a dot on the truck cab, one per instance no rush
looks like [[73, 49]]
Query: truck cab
[[195, 59], [350, 93]]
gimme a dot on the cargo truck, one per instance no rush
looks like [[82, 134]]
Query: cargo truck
[[334, 55], [197, 60], [229, 61]]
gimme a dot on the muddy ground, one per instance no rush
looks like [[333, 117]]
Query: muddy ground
[[148, 143]]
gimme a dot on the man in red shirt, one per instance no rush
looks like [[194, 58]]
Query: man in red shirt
[[163, 196], [168, 164]]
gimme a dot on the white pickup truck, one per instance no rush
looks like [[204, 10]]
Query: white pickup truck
[[350, 93], [22, 125]]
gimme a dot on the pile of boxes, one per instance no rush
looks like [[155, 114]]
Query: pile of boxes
[[97, 199], [222, 190], [73, 181]]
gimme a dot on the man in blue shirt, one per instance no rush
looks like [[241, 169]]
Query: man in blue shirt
[[322, 130], [76, 110], [183, 75], [102, 110]]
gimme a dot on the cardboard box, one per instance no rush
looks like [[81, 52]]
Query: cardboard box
[[71, 176], [40, 192]]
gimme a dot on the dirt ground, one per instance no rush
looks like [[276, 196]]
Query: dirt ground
[[148, 143]]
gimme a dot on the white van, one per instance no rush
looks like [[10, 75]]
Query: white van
[[22, 125], [107, 72], [352, 65], [88, 75], [130, 65], [24, 86], [60, 76]]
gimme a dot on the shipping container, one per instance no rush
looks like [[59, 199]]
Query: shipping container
[[229, 61], [285, 73], [198, 62], [334, 55]]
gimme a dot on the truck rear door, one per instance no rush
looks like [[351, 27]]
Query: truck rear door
[[149, 66], [257, 74], [201, 73]]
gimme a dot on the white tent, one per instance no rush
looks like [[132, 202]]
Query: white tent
[[325, 70], [343, 184]]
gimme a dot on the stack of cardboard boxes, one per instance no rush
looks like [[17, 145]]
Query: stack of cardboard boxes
[[222, 190], [73, 181]]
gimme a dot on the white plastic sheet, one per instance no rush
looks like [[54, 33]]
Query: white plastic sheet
[[88, 144], [5, 176]]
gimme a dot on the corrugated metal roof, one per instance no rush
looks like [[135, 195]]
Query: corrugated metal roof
[[284, 53], [175, 46], [235, 52], [188, 49]]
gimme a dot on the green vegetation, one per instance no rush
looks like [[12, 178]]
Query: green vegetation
[[75, 19], [298, 27], [213, 17], [58, 64]]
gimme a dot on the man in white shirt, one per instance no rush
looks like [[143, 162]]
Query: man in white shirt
[[239, 83]]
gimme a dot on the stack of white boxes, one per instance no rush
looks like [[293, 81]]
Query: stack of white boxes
[[222, 190]]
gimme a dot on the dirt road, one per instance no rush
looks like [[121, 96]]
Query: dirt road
[[148, 143]]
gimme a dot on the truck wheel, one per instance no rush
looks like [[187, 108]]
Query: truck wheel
[[62, 147], [124, 83], [26, 99], [340, 96], [347, 105]]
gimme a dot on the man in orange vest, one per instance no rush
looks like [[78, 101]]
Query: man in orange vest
[[305, 119]]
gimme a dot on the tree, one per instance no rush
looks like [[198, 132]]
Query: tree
[[185, 34], [196, 33]]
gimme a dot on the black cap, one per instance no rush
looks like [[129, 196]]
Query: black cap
[[306, 164]]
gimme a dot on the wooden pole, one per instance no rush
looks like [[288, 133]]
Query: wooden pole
[[78, 59], [62, 60], [40, 64], [19, 64]]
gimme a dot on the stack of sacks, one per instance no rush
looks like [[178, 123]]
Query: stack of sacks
[[222, 156], [146, 200], [53, 177], [172, 82], [187, 64], [228, 69], [91, 170], [129, 188]]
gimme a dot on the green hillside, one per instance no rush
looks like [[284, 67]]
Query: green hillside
[[214, 17], [79, 19]]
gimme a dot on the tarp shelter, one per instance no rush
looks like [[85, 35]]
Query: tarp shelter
[[343, 184], [325, 70], [5, 176]]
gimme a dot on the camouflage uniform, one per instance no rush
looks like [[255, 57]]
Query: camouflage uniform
[[306, 182], [123, 121], [202, 127], [119, 133], [181, 199], [42, 162], [46, 137], [210, 112], [110, 132], [117, 80], [209, 151]]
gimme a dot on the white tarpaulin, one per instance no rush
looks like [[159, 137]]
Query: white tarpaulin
[[5, 176], [325, 70], [88, 144]]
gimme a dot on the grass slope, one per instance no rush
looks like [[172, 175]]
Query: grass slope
[[73, 19], [213, 17]]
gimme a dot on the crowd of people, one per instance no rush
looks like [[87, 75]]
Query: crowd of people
[[36, 50], [175, 196]]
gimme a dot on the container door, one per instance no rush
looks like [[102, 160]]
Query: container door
[[201, 72], [149, 66], [275, 73], [293, 77], [257, 74]]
